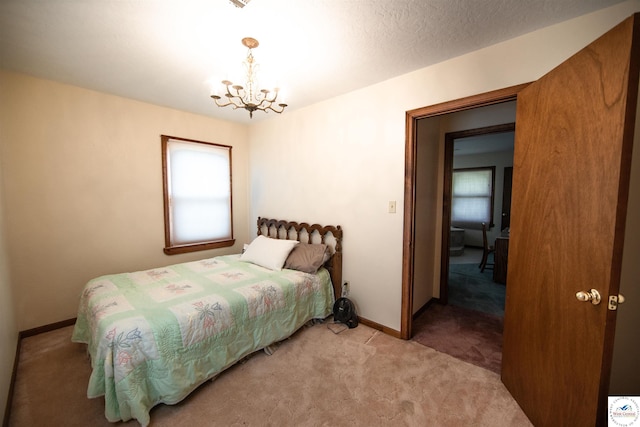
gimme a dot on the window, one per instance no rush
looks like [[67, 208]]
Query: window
[[472, 197], [197, 195]]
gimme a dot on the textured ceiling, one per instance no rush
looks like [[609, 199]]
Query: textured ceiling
[[165, 51]]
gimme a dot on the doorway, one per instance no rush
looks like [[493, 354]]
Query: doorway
[[466, 321], [411, 223], [470, 153]]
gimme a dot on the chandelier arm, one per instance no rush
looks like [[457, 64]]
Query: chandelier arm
[[264, 104], [219, 104], [274, 110], [233, 104], [265, 95], [272, 100], [237, 99], [238, 94]]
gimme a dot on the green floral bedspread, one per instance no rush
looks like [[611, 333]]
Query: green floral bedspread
[[155, 335]]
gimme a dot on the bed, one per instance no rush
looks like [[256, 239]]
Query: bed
[[154, 336]]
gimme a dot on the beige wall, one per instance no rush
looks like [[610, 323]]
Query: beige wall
[[8, 327], [428, 207], [341, 161], [83, 189]]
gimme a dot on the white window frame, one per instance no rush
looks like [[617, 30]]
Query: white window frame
[[186, 165]]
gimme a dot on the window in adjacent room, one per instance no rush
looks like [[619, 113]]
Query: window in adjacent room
[[472, 197], [197, 195]]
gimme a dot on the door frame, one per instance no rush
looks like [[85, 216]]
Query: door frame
[[449, 140], [408, 248], [507, 178]]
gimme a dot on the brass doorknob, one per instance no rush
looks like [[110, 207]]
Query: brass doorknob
[[593, 295]]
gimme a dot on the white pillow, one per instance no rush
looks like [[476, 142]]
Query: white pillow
[[268, 253]]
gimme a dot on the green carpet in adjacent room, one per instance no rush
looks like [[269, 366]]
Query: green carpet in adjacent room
[[469, 288]]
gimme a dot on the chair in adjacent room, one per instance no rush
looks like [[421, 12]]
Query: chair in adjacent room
[[486, 250]]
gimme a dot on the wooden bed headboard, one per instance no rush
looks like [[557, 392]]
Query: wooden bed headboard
[[303, 232]]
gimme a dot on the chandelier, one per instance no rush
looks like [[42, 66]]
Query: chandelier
[[249, 96], [239, 3]]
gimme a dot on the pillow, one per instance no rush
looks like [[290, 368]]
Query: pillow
[[308, 257], [267, 252]]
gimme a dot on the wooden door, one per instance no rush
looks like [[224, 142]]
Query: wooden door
[[574, 135]]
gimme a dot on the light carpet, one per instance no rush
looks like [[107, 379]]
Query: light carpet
[[316, 378]]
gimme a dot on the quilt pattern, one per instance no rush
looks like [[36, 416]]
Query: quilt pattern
[[155, 335]]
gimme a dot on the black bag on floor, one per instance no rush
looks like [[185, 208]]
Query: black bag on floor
[[345, 312]]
